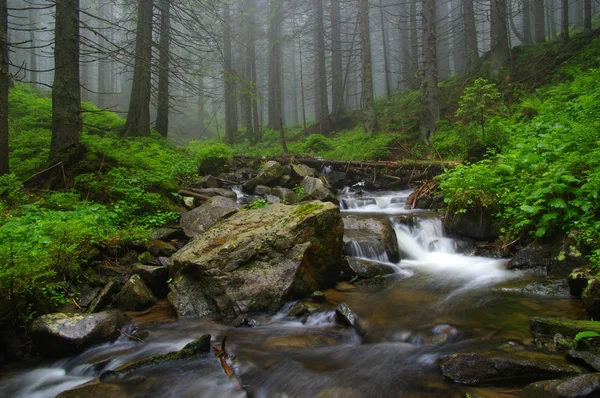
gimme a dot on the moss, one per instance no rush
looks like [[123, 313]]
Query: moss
[[307, 209], [549, 327]]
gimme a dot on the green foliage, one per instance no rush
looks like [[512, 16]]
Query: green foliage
[[299, 191], [211, 157], [257, 204], [586, 335], [316, 143], [480, 101]]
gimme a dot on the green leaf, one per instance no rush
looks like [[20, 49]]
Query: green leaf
[[558, 203], [586, 334]]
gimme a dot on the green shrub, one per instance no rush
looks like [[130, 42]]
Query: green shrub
[[211, 157]]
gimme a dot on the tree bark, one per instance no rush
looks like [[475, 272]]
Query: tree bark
[[500, 55], [539, 18], [33, 65], [527, 22], [275, 57], [470, 36], [442, 40], [386, 57], [322, 70], [66, 90], [430, 110], [247, 93], [4, 82], [459, 45], [407, 72], [138, 116], [368, 100], [414, 45], [564, 25], [229, 79], [337, 79], [162, 109], [104, 76], [587, 19]]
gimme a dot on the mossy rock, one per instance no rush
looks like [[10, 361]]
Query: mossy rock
[[549, 327]]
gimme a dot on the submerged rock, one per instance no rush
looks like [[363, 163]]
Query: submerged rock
[[367, 269], [60, 335], [258, 260], [345, 317], [577, 387], [135, 295], [199, 220], [368, 230], [474, 368]]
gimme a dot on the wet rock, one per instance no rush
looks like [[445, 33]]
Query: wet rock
[[272, 199], [473, 224], [188, 298], [591, 298], [318, 297], [130, 257], [578, 280], [167, 234], [244, 322], [196, 349], [145, 258], [105, 297], [287, 196], [154, 277], [207, 182], [202, 218], [268, 173], [474, 368], [301, 309], [88, 294], [10, 345], [59, 335], [548, 327], [257, 260], [378, 281], [316, 190], [158, 248], [300, 171], [345, 317], [577, 387], [490, 251], [550, 288], [135, 295], [96, 391], [262, 190], [364, 229], [246, 200], [592, 358], [369, 269], [546, 256], [188, 202], [213, 192]]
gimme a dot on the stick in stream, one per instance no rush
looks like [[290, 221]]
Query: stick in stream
[[223, 356], [130, 336]]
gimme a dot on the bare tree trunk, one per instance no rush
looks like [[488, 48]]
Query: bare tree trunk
[[301, 81], [587, 22], [500, 55], [337, 80], [407, 74], [442, 40], [4, 83], [579, 13], [458, 35], [539, 21], [275, 58], [414, 44], [386, 56], [470, 36], [229, 79], [162, 111], [430, 109], [368, 100], [66, 91], [564, 25], [138, 116], [103, 64], [294, 91], [527, 22], [247, 94], [322, 69], [33, 66]]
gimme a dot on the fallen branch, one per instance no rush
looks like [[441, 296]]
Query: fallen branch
[[223, 356], [196, 195], [130, 336]]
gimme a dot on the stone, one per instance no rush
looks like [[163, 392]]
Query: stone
[[318, 297], [61, 335], [188, 202], [366, 269], [366, 231], [578, 280], [212, 192], [286, 195], [473, 224], [591, 298], [546, 256], [104, 299], [378, 281], [257, 260], [268, 173], [272, 199], [300, 171], [262, 190], [145, 258], [135, 295], [158, 248], [316, 190], [88, 294], [592, 358], [167, 234], [577, 387], [154, 277], [475, 368], [549, 288], [345, 317], [207, 181], [548, 327], [130, 257], [301, 309], [197, 221]]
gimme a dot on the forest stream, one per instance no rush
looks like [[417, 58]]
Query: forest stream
[[438, 302]]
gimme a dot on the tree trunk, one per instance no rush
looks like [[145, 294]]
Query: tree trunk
[[275, 58], [322, 70], [430, 110], [368, 100], [442, 40], [500, 55], [539, 18], [104, 76], [470, 36], [162, 109], [66, 91], [459, 44], [407, 72], [579, 13], [33, 66], [587, 22], [302, 99], [138, 116], [4, 82], [294, 91], [564, 25], [386, 57], [247, 94], [414, 45], [229, 79], [337, 79], [527, 22]]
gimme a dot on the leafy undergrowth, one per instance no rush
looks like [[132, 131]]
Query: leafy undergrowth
[[545, 182]]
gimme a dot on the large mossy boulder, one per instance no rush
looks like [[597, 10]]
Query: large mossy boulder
[[475, 368], [376, 233], [577, 387], [257, 260], [61, 335], [269, 173], [200, 219]]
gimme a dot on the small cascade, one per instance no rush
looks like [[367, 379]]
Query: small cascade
[[371, 251], [382, 202]]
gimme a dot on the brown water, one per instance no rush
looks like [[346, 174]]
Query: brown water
[[438, 303]]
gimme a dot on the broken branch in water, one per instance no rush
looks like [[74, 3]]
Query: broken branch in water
[[223, 356], [130, 336]]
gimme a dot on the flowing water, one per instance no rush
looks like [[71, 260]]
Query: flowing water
[[439, 302]]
